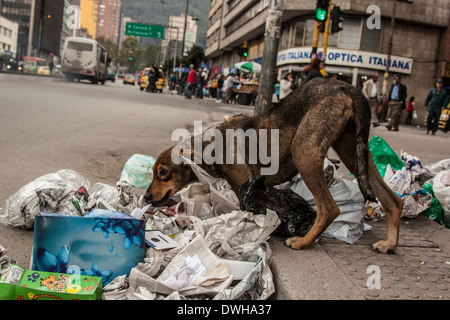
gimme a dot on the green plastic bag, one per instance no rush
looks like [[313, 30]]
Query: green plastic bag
[[435, 212], [382, 155], [138, 171]]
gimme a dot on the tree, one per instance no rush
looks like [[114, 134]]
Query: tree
[[131, 53], [152, 54], [195, 56], [110, 46]]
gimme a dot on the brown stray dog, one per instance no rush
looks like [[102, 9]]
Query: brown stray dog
[[321, 114]]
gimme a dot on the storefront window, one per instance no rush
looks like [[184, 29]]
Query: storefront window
[[355, 35], [351, 35], [299, 33], [370, 39]]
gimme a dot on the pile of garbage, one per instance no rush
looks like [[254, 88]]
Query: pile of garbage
[[424, 189], [202, 244]]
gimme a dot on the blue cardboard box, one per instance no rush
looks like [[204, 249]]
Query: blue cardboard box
[[103, 243]]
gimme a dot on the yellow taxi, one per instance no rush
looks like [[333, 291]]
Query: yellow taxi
[[44, 71], [129, 78]]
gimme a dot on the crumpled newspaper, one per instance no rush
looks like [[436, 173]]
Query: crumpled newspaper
[[49, 193], [407, 183]]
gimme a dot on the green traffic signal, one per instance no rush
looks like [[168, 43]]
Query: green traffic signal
[[321, 14], [131, 58]]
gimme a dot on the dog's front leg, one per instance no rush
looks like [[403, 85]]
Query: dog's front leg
[[327, 211]]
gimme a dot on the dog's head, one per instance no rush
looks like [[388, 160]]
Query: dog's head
[[168, 179]]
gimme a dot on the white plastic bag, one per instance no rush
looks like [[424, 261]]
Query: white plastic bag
[[349, 225], [138, 171], [441, 189]]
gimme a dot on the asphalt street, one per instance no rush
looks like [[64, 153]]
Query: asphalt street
[[48, 124]]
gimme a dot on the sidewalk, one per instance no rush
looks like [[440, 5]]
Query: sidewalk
[[332, 269]]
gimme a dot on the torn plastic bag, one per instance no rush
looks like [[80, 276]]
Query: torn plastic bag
[[349, 225], [138, 171], [383, 155], [100, 192], [294, 212], [441, 188], [439, 166], [49, 193]]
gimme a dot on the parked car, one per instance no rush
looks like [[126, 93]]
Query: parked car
[[129, 78]]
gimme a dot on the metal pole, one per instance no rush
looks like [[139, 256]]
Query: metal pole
[[175, 52], [30, 29], [316, 37], [184, 34], [269, 64], [388, 60], [326, 34]]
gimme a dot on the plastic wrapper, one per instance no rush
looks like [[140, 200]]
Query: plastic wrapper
[[294, 212], [49, 193], [138, 171]]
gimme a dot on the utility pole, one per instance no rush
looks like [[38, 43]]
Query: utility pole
[[388, 60], [184, 35], [30, 30], [271, 41]]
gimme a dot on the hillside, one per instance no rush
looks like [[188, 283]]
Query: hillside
[[158, 12]]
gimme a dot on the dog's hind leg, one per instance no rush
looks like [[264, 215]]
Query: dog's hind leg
[[311, 142], [392, 204]]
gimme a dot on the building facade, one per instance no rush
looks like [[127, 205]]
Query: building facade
[[174, 34], [18, 11], [89, 13], [9, 31], [353, 54], [108, 19]]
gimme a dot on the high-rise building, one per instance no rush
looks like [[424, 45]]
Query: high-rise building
[[89, 13], [18, 11], [8, 37], [174, 34], [108, 19]]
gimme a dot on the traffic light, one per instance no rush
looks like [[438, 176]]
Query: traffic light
[[322, 10], [243, 52], [130, 58], [336, 20]]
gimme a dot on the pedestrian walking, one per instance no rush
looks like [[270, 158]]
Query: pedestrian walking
[[219, 87], [396, 101], [436, 101], [201, 83], [411, 108], [371, 90], [229, 84], [286, 85], [191, 81]]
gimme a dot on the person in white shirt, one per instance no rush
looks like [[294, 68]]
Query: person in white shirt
[[286, 85], [228, 86], [371, 90]]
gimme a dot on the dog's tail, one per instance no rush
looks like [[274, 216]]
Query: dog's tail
[[362, 116]]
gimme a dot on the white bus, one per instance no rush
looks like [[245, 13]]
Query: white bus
[[84, 58]]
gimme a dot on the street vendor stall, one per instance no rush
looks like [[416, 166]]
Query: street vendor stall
[[246, 93]]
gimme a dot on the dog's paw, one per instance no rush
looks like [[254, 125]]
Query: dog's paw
[[384, 246], [295, 243]]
